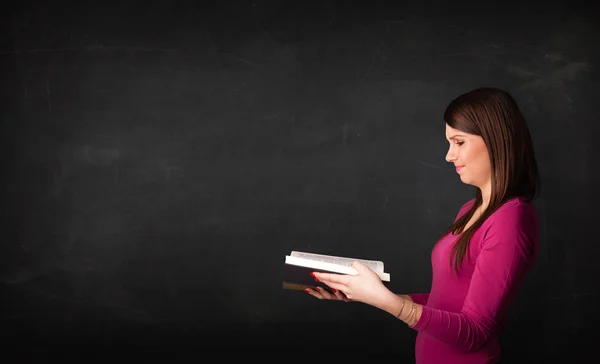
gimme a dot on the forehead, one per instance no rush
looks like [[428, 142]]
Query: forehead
[[451, 132]]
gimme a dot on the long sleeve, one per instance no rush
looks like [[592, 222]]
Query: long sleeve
[[508, 249], [420, 298]]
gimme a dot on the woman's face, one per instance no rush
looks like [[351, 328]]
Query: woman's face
[[470, 156]]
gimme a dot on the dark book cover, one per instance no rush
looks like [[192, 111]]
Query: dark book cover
[[297, 277]]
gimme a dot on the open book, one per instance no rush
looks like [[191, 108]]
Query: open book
[[298, 265]]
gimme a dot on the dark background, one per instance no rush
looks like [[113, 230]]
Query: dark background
[[161, 158]]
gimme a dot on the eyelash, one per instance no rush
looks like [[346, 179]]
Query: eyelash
[[459, 143]]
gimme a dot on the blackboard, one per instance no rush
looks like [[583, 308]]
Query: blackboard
[[160, 160]]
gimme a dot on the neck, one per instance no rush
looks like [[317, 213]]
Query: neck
[[486, 191]]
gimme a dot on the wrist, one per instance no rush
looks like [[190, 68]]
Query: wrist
[[393, 304], [409, 312], [403, 308], [405, 311]]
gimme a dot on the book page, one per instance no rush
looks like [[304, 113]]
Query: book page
[[375, 265]]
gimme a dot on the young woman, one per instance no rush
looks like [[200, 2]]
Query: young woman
[[480, 261]]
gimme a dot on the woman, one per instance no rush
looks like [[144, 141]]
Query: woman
[[480, 261]]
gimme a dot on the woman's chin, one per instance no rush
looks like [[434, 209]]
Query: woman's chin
[[466, 180]]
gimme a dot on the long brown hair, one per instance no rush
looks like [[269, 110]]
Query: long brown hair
[[494, 115]]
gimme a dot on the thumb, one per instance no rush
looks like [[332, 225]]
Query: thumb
[[359, 266]]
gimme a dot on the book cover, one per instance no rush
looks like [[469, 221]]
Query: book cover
[[298, 266]]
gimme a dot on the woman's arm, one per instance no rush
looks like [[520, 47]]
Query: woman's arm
[[507, 253]]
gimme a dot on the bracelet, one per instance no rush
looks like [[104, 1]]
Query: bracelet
[[412, 310], [413, 321], [401, 308]]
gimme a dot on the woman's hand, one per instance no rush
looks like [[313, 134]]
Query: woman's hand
[[322, 294], [366, 286]]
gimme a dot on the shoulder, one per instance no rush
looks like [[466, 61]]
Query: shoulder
[[515, 221], [515, 212]]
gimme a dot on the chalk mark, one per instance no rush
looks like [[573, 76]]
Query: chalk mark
[[368, 71], [432, 165], [143, 317], [48, 96], [239, 59], [89, 48], [332, 20], [385, 202]]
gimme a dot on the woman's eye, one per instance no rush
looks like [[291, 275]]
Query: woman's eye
[[460, 143]]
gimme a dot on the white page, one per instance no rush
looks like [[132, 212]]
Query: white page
[[375, 265]]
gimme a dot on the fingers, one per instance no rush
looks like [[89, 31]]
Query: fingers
[[326, 295], [315, 293], [337, 282], [322, 294], [331, 278], [335, 286], [341, 296]]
